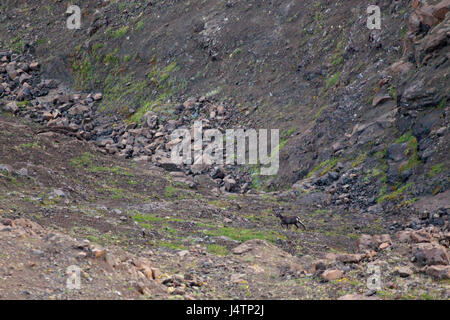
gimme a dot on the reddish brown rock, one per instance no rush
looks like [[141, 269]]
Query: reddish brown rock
[[404, 236], [421, 236], [430, 254], [332, 274], [34, 65], [430, 15], [438, 271], [98, 253], [379, 239], [349, 258], [365, 242], [404, 272]]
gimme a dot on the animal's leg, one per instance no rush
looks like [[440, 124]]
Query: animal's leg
[[298, 220]]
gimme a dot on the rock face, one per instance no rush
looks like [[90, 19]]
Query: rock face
[[430, 15], [368, 113]]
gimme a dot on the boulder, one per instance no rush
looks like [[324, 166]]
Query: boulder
[[189, 103], [349, 258], [397, 152], [229, 183], [420, 236], [380, 98], [332, 274], [430, 15], [403, 272], [150, 120], [430, 254], [97, 96], [439, 272], [11, 107], [35, 65], [404, 236]]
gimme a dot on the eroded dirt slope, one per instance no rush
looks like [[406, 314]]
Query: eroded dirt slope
[[117, 220]]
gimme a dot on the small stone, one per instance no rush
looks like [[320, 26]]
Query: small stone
[[47, 116], [59, 193], [6, 222], [441, 131], [37, 252], [380, 98], [35, 65], [230, 183], [6, 229], [404, 236], [371, 254], [98, 253], [384, 246], [147, 272], [156, 273], [81, 255], [421, 236], [178, 291], [11, 107], [183, 253], [220, 109], [189, 103], [24, 77], [332, 274], [23, 172], [237, 277], [85, 244], [403, 272], [173, 143]]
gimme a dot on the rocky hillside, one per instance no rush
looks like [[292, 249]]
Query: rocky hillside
[[86, 121]]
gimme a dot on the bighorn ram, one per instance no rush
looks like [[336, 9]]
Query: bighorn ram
[[287, 221]]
